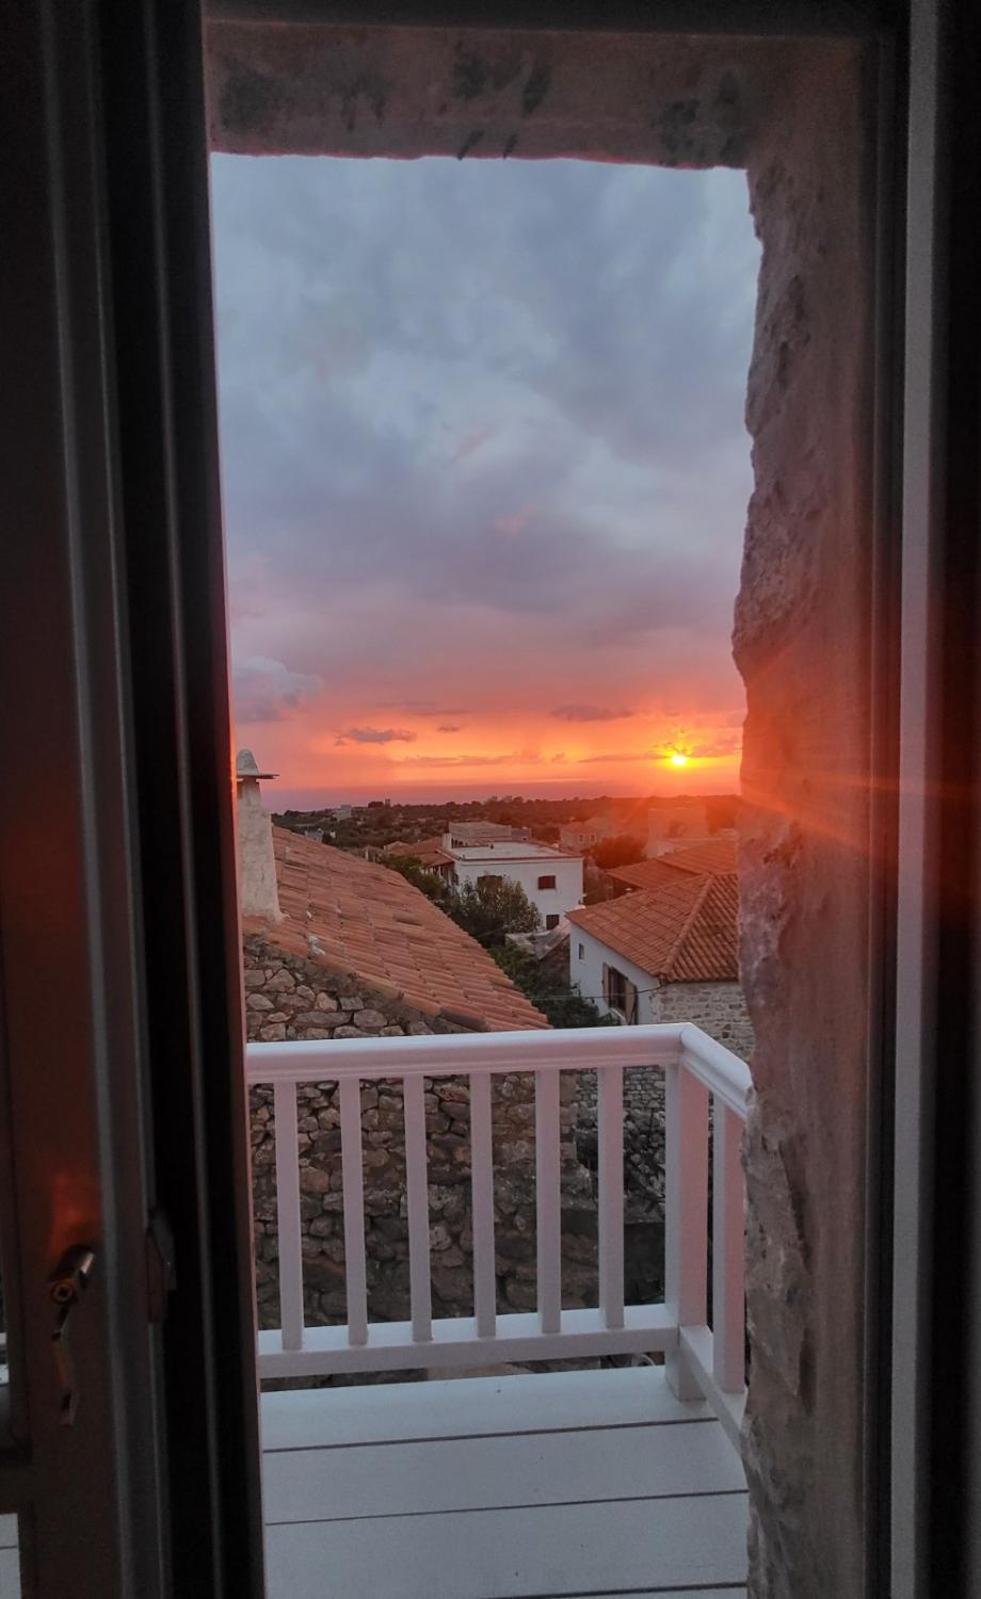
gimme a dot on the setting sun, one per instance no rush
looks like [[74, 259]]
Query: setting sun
[[678, 758]]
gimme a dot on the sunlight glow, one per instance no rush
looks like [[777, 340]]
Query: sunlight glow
[[678, 758]]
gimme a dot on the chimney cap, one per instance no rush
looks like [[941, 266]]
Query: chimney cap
[[246, 768]]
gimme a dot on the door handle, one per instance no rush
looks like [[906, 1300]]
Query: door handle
[[66, 1286]]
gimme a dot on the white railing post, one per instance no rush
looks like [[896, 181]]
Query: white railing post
[[288, 1216], [685, 1214], [352, 1178], [548, 1199], [417, 1205], [609, 1139], [482, 1205], [728, 1252]]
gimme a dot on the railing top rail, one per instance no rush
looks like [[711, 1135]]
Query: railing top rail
[[450, 1054], [722, 1072]]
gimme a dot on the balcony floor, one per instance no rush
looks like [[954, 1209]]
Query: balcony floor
[[517, 1487]]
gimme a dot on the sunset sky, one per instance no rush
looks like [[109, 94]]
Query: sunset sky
[[485, 473]]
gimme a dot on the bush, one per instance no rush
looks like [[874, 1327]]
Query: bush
[[551, 994], [488, 911], [620, 851]]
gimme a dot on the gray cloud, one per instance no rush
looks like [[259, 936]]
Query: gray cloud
[[265, 690], [375, 735], [449, 727], [589, 713]]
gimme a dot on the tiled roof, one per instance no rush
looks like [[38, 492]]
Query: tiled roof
[[427, 851], [362, 919], [715, 858], [684, 931]]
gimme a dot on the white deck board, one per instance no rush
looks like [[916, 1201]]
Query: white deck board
[[472, 1407], [591, 1484], [503, 1554], [9, 1574], [8, 1532], [491, 1473]]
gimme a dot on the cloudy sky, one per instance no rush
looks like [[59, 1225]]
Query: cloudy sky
[[485, 472]]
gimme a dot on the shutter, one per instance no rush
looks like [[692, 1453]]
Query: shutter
[[630, 995]]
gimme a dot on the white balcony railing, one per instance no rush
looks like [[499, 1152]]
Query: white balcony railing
[[702, 1359]]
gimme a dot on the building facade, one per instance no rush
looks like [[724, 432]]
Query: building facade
[[551, 879]]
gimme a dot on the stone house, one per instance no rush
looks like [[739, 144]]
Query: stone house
[[667, 952], [582, 836]]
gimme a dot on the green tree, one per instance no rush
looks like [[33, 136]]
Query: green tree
[[550, 993], [623, 850], [428, 882], [488, 910], [492, 908]]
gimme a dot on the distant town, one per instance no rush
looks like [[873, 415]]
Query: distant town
[[381, 822]]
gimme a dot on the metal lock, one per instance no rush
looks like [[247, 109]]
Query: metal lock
[[66, 1285]]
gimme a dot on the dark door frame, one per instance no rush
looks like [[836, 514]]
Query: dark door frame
[[117, 756], [123, 1086]]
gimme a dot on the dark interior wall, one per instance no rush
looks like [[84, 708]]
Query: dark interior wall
[[790, 114]]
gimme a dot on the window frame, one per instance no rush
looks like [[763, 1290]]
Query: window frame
[[152, 57]]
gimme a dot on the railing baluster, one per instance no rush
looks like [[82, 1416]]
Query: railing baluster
[[482, 1205], [353, 1181], [288, 1216], [417, 1200], [609, 1097], [686, 1212], [728, 1252], [548, 1174]]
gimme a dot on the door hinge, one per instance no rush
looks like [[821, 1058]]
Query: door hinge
[[161, 1277]]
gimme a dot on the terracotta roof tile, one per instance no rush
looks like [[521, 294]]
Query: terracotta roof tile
[[427, 851], [713, 859], [368, 921], [683, 931]]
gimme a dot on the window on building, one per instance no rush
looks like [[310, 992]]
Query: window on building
[[582, 952], [548, 881], [620, 993], [551, 921], [485, 880]]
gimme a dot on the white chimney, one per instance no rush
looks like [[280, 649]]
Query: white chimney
[[258, 894]]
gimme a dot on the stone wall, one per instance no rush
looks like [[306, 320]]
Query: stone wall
[[718, 1008], [288, 997], [802, 643]]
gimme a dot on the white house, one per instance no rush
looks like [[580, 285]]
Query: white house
[[551, 879], [665, 954], [465, 833]]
